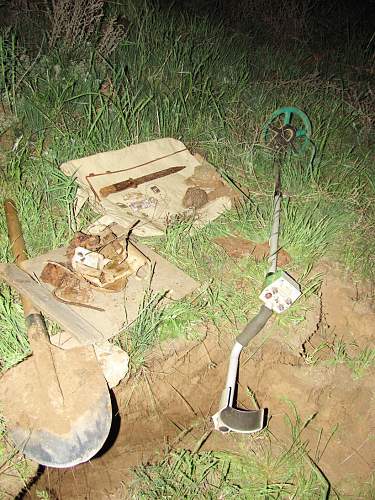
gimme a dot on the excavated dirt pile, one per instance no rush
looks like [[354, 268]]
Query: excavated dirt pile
[[172, 399]]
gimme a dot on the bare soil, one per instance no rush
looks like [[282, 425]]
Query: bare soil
[[238, 247], [171, 401]]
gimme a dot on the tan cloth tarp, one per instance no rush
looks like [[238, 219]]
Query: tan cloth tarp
[[154, 203]]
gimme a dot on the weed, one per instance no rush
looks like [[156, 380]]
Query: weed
[[181, 319], [256, 474], [142, 334], [43, 494], [12, 462], [359, 361], [340, 354], [312, 356], [74, 22], [112, 33], [8, 68], [183, 474], [158, 319], [14, 346], [362, 362]]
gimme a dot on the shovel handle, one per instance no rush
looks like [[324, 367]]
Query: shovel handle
[[18, 247]]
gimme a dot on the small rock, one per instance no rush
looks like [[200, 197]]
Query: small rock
[[113, 361], [195, 197]]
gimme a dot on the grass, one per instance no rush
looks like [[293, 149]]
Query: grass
[[13, 338], [260, 472], [183, 474], [362, 362], [182, 76], [154, 317], [8, 65], [358, 360], [12, 464], [142, 334], [159, 318]]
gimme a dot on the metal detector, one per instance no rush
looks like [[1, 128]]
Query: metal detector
[[281, 290]]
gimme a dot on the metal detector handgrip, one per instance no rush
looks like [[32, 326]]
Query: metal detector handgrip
[[254, 326]]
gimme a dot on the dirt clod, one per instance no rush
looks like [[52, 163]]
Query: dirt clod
[[195, 197], [208, 179]]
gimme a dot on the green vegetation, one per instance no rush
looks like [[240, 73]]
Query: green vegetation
[[157, 320], [183, 474], [260, 472], [339, 352], [358, 361], [12, 463], [181, 75]]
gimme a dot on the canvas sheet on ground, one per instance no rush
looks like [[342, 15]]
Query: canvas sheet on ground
[[151, 204]]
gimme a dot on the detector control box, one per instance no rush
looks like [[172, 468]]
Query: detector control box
[[281, 292]]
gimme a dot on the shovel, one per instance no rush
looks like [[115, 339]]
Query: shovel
[[56, 403]]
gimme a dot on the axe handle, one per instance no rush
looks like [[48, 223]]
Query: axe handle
[[18, 248]]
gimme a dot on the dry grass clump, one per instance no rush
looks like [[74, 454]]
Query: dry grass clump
[[74, 22], [111, 34]]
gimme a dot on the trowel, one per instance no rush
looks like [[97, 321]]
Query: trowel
[[56, 403]]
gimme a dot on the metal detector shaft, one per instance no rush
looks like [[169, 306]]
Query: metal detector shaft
[[274, 238], [256, 324]]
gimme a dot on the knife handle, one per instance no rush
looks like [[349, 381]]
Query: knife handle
[[117, 187]]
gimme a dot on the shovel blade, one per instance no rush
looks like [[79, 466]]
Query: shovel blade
[[84, 440], [57, 419], [241, 421]]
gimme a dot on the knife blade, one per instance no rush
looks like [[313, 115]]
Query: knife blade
[[117, 187]]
